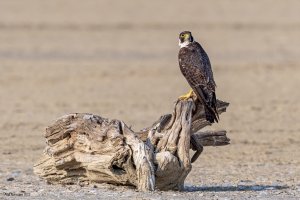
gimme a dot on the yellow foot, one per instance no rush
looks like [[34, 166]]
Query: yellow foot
[[190, 94]]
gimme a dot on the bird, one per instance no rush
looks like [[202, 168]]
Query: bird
[[195, 66]]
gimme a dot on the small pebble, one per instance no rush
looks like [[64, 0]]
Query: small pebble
[[10, 179]]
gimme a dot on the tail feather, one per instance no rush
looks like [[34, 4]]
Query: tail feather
[[214, 106], [210, 114], [210, 106]]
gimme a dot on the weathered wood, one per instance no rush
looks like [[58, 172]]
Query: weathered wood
[[84, 148], [212, 138]]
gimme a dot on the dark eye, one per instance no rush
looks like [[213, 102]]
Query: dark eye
[[181, 35]]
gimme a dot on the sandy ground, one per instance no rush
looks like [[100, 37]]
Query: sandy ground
[[119, 60]]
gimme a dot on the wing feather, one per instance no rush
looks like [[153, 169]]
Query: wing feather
[[195, 66]]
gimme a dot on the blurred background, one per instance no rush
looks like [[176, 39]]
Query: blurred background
[[118, 59]]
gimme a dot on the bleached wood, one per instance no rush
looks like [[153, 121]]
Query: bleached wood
[[84, 148]]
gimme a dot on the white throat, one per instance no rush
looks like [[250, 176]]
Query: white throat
[[183, 44]]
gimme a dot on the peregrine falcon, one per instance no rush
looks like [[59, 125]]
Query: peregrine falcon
[[195, 67]]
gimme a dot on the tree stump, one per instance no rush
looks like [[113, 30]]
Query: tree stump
[[85, 148]]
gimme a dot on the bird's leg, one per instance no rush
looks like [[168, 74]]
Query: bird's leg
[[190, 94]]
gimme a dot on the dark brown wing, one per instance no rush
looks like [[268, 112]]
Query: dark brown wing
[[195, 66]]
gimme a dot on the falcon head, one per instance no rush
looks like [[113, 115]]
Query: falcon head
[[185, 38]]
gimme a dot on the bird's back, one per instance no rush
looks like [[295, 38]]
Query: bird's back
[[193, 56], [195, 66]]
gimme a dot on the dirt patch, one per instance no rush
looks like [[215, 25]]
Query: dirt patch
[[125, 67]]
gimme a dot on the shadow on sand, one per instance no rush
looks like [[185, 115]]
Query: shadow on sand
[[234, 188]]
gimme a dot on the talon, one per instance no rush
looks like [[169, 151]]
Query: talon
[[190, 94]]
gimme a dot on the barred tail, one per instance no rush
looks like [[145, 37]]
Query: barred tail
[[209, 102], [210, 114]]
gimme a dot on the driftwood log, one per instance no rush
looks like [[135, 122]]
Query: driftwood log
[[85, 148]]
